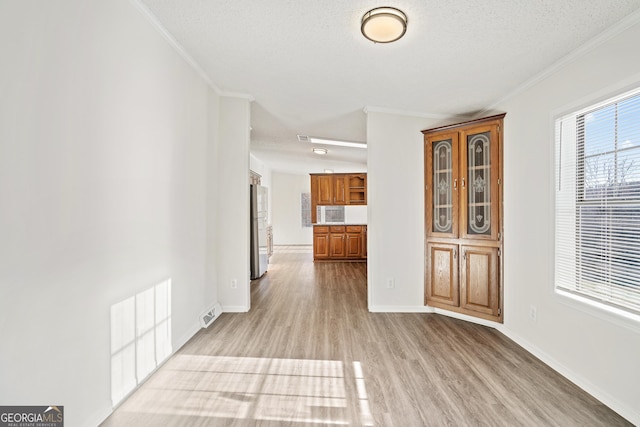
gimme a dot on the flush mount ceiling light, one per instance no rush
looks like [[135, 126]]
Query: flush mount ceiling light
[[384, 24], [322, 151]]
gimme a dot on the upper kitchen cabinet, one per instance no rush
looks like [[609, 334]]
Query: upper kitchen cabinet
[[463, 206], [329, 189], [357, 189], [322, 189], [337, 189]]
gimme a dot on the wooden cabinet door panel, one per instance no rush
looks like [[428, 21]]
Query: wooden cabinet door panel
[[340, 188], [479, 279], [324, 190], [479, 169], [320, 246], [441, 179], [353, 245], [336, 245], [442, 274]]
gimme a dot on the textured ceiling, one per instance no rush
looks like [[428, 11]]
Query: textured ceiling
[[311, 72]]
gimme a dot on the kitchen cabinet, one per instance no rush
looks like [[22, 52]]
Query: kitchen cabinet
[[321, 242], [337, 189], [340, 190], [336, 242], [354, 241], [322, 189], [339, 242], [463, 212], [357, 189], [329, 189]]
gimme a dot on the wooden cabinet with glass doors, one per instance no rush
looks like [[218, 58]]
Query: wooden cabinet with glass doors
[[463, 208]]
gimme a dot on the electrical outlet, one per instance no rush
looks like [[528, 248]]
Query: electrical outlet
[[234, 283], [533, 313], [391, 283]]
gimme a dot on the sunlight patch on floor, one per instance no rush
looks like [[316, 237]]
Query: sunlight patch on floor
[[363, 400], [292, 390]]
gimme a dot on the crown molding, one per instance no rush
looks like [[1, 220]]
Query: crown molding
[[240, 95], [590, 45], [144, 10], [174, 43]]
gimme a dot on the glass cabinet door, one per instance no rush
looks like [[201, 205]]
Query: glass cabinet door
[[480, 183], [442, 185]]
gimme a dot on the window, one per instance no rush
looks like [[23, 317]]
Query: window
[[597, 194]]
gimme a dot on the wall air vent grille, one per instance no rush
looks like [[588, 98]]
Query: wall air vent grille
[[303, 138], [209, 316]]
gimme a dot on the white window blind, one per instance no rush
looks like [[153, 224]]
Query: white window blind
[[597, 202]]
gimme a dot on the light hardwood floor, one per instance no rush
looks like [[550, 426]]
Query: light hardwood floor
[[309, 353]]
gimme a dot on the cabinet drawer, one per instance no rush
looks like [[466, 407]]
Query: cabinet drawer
[[320, 229], [337, 229], [354, 228]]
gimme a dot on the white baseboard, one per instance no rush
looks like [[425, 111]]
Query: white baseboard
[[400, 309], [234, 309], [102, 415], [631, 414], [466, 318], [624, 410], [186, 337], [98, 417]]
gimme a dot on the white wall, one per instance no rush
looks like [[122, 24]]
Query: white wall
[[286, 209], [355, 214], [599, 352], [395, 199], [104, 133], [233, 205], [211, 287]]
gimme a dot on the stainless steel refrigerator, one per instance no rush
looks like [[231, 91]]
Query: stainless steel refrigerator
[[258, 204]]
